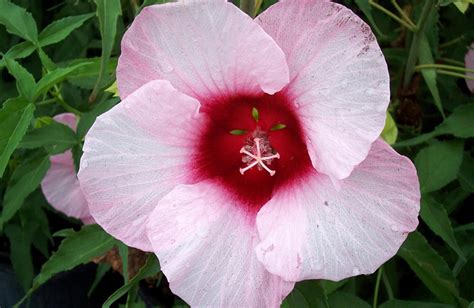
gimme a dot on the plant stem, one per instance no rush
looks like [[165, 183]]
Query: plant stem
[[403, 14], [455, 62], [46, 102], [444, 66], [57, 94], [451, 42], [415, 43], [377, 287], [248, 7], [443, 72], [387, 12], [388, 287]]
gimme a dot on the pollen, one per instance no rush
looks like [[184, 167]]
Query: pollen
[[258, 153]]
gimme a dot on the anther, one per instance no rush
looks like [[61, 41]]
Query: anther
[[255, 156]]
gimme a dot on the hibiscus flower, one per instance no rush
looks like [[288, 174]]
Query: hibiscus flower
[[60, 185], [245, 153]]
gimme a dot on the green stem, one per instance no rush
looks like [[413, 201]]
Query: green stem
[[388, 287], [452, 42], [455, 62], [403, 14], [46, 102], [57, 94], [248, 7], [415, 43], [444, 66], [448, 73], [377, 287], [395, 17]]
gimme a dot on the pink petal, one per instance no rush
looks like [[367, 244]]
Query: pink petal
[[61, 188], [204, 48], [60, 185], [68, 119], [318, 231], [469, 61], [338, 79], [136, 153], [205, 244]]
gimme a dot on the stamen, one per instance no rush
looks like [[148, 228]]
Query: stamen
[[257, 158]]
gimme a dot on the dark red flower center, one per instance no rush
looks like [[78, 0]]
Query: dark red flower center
[[252, 146]]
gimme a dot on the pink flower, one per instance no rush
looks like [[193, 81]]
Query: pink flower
[[60, 185], [469, 63], [245, 153]]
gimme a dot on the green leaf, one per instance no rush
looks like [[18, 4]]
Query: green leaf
[[435, 216], [108, 12], [308, 293], [54, 77], [20, 254], [438, 164], [343, 299], [460, 123], [86, 76], [56, 136], [24, 80], [78, 248], [60, 29], [466, 173], [397, 303], [123, 252], [25, 179], [390, 131], [15, 117], [151, 267], [53, 33], [430, 268], [102, 269], [429, 74], [18, 21]]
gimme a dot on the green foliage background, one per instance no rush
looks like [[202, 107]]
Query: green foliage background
[[60, 56]]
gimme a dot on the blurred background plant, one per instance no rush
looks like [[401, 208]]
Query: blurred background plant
[[60, 56]]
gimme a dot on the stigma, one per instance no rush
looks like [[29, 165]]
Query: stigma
[[258, 153]]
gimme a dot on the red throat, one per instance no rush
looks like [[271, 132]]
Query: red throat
[[252, 146]]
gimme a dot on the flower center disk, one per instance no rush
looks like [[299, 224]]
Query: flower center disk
[[252, 146]]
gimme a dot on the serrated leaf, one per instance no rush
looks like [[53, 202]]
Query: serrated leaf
[[56, 137], [25, 179], [438, 164], [430, 267], [78, 248], [429, 74], [15, 117], [25, 82], [18, 21], [108, 12], [54, 77], [151, 267], [20, 254], [435, 216], [58, 30]]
